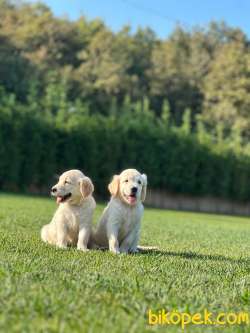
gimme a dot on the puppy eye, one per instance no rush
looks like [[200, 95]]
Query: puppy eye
[[126, 181], [139, 182], [66, 182]]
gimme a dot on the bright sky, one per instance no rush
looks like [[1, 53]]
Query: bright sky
[[160, 15]]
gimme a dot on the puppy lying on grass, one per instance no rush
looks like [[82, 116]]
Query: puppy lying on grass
[[71, 224], [120, 224]]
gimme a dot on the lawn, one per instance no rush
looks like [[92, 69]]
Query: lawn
[[203, 261]]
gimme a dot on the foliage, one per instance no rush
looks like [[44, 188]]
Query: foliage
[[34, 148], [75, 94], [205, 70]]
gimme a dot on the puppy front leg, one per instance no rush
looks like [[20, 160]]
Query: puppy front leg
[[61, 237], [83, 238], [130, 243], [61, 241], [134, 244], [112, 233]]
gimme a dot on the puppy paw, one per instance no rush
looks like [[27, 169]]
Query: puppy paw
[[62, 246], [82, 248], [133, 251], [115, 251]]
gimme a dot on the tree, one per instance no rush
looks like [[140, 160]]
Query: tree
[[16, 72], [169, 77], [227, 87]]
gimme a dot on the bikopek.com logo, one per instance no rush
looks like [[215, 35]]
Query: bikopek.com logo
[[164, 317]]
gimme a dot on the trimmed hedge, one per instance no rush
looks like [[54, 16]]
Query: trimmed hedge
[[32, 151]]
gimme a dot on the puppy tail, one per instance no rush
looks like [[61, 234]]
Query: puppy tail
[[142, 248]]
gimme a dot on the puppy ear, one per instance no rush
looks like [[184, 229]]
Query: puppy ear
[[144, 187], [114, 186], [86, 187]]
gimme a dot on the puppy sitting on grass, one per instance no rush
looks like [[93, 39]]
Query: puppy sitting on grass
[[120, 224], [71, 224]]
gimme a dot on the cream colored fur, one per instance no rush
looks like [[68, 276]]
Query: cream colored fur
[[71, 224], [120, 223]]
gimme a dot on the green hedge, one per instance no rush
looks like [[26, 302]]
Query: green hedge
[[32, 151]]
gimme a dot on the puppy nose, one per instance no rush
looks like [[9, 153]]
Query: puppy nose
[[134, 189], [53, 190]]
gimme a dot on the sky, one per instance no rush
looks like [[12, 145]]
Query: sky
[[160, 15]]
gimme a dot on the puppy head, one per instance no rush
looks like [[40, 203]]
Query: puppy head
[[130, 186], [72, 187]]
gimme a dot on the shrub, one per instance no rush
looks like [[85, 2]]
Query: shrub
[[33, 151]]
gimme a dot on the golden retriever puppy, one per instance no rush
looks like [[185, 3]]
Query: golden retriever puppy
[[120, 223], [71, 224]]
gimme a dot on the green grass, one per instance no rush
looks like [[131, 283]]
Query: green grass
[[203, 262]]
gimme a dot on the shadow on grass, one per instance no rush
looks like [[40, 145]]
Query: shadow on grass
[[192, 256]]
